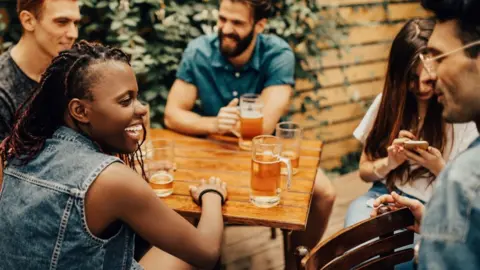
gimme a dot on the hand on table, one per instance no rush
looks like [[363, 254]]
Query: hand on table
[[214, 185]]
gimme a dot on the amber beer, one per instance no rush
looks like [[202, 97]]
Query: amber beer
[[161, 183], [265, 181], [160, 153], [251, 125], [291, 135], [251, 119], [294, 159], [265, 173]]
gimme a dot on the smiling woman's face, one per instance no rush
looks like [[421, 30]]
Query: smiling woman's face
[[425, 90], [115, 115]]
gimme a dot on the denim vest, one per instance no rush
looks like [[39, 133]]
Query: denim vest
[[42, 210], [450, 232]]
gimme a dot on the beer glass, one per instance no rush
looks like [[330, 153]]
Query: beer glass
[[290, 133], [160, 179], [251, 119], [265, 178]]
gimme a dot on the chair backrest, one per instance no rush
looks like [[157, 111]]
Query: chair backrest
[[355, 246]]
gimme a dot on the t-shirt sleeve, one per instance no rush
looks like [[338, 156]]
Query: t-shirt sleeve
[[185, 69], [281, 69], [365, 126]]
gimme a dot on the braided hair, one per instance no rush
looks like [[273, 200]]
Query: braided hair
[[67, 77]]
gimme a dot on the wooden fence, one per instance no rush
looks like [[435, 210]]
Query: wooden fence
[[351, 75]]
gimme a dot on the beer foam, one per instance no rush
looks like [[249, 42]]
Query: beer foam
[[161, 178], [251, 114], [260, 158]]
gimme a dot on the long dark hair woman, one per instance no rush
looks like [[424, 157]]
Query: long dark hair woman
[[407, 109], [70, 195]]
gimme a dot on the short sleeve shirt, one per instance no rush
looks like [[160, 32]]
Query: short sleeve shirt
[[15, 88], [463, 136], [218, 81]]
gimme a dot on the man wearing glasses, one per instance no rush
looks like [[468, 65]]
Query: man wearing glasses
[[450, 223]]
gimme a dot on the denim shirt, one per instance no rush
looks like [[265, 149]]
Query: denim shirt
[[42, 210], [450, 232]]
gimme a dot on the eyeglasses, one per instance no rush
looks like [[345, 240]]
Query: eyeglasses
[[430, 63]]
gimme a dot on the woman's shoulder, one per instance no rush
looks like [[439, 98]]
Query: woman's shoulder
[[120, 178], [465, 128], [463, 135]]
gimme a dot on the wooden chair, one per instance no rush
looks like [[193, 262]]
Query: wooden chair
[[354, 247]]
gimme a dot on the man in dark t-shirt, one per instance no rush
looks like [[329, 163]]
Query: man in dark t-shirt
[[48, 28], [15, 87]]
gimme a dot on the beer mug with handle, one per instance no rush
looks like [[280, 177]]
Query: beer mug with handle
[[266, 179], [251, 119]]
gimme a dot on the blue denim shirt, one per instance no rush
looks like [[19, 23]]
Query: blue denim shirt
[[218, 81], [42, 210], [450, 233]]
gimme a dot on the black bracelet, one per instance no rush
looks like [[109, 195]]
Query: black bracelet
[[207, 191]]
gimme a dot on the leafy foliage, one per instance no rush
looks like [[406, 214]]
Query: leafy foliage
[[155, 33]]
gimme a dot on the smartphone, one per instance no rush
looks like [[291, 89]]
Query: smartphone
[[412, 145]]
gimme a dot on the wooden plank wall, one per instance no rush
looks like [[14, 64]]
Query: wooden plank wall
[[349, 76]]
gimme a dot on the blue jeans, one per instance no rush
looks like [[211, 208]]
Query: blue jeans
[[359, 211]]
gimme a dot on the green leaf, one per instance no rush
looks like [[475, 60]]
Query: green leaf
[[102, 4], [116, 25]]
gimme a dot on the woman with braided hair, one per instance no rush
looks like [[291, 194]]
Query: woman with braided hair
[[70, 197]]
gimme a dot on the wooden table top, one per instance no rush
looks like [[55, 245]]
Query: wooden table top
[[219, 156]]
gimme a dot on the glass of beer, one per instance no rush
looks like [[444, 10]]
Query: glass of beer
[[251, 119], [160, 155], [291, 135], [265, 178]]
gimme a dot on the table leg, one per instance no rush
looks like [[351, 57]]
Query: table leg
[[286, 244]]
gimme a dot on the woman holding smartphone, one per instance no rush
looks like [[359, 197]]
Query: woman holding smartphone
[[407, 109]]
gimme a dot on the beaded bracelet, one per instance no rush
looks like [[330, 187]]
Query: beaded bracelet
[[207, 191]]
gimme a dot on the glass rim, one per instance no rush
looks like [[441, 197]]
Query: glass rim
[[298, 128], [249, 97], [169, 143], [256, 138]]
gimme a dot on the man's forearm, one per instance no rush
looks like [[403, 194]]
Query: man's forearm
[[271, 117], [190, 123]]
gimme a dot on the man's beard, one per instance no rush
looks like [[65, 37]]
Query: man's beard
[[242, 44]]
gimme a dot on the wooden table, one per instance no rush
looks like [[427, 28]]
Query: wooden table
[[198, 159]]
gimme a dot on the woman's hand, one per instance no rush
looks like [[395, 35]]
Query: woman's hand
[[396, 151], [405, 134], [431, 159], [396, 156], [214, 186], [395, 202]]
